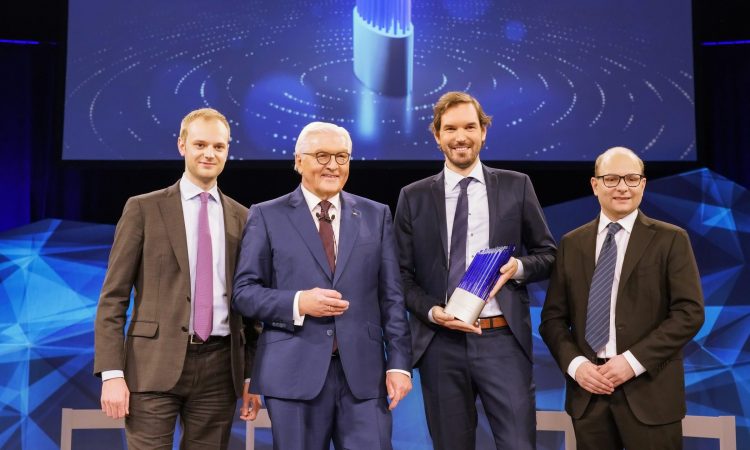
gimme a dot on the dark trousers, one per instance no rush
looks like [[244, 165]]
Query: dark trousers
[[204, 399], [335, 414], [456, 367], [609, 424]]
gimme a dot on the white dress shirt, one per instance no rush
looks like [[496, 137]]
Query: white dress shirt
[[622, 238], [191, 204], [478, 237]]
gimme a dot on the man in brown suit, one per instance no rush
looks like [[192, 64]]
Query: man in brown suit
[[623, 357], [186, 353]]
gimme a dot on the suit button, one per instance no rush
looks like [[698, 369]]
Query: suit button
[[329, 332], [187, 298], [184, 329]]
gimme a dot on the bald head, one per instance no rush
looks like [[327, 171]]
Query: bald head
[[608, 154]]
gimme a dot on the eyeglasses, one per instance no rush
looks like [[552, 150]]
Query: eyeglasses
[[612, 180], [324, 158]]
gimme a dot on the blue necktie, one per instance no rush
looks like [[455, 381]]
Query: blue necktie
[[457, 264], [600, 295]]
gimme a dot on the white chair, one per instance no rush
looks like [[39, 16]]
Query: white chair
[[262, 421], [84, 419], [557, 421]]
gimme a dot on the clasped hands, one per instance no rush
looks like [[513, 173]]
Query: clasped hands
[[605, 378]]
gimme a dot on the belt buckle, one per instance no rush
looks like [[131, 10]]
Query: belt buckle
[[195, 340]]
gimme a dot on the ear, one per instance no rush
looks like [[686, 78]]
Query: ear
[[484, 134], [595, 186], [437, 137], [298, 163], [181, 146]]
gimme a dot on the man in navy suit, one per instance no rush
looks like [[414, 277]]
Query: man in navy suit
[[319, 268], [492, 358]]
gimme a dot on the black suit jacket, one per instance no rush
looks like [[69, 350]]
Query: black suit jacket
[[421, 230], [659, 309]]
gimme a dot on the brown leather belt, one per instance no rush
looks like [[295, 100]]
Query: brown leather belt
[[488, 323]]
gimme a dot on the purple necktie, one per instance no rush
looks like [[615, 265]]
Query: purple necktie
[[204, 275]]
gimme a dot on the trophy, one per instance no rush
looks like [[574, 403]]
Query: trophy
[[475, 286]]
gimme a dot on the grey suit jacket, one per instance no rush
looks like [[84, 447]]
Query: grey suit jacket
[[421, 230], [659, 309], [149, 254]]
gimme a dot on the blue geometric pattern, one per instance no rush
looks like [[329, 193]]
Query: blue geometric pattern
[[51, 273]]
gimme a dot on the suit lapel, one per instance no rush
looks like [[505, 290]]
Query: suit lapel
[[232, 231], [302, 221], [348, 232], [493, 199], [438, 198], [588, 251], [171, 213], [638, 243]]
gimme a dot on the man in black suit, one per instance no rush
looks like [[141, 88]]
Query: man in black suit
[[493, 358]]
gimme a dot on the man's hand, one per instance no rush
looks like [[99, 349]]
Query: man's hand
[[448, 321], [319, 302], [398, 385], [250, 404], [617, 370], [115, 398], [589, 378], [506, 273]]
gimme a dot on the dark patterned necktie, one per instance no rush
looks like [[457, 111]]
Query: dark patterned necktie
[[600, 295], [457, 264], [325, 230]]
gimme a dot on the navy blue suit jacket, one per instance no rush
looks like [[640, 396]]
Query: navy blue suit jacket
[[281, 253], [421, 229]]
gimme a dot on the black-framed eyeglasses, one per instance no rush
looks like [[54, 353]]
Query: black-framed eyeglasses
[[324, 158], [612, 180]]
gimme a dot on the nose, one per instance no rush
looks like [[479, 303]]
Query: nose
[[209, 153], [332, 164]]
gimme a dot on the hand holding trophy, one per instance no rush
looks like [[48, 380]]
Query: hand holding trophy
[[475, 286]]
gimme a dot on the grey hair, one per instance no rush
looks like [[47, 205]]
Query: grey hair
[[304, 141]]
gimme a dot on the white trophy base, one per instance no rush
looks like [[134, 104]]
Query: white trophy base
[[464, 306]]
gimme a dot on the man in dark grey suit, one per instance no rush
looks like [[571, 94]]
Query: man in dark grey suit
[[186, 352], [623, 300], [493, 358]]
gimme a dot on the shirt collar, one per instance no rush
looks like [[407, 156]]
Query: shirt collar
[[453, 178], [627, 222], [188, 189], [312, 200]]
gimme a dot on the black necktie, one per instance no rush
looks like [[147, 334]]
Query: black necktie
[[457, 265]]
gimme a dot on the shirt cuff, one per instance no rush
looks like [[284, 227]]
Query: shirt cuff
[[399, 371], [109, 374], [575, 364], [429, 316], [247, 380], [299, 320], [519, 273], [634, 364]]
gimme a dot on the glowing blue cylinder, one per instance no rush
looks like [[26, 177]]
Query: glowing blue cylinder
[[384, 45]]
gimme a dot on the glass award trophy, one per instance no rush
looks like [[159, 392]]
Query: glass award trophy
[[475, 286]]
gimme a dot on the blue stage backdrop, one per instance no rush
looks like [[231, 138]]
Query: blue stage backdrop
[[52, 271], [561, 77]]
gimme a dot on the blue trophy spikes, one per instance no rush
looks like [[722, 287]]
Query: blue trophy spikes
[[383, 38]]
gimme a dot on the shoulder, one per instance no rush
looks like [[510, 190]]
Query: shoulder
[[506, 175], [362, 203], [155, 196], [423, 185], [229, 202], [660, 226], [581, 232]]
